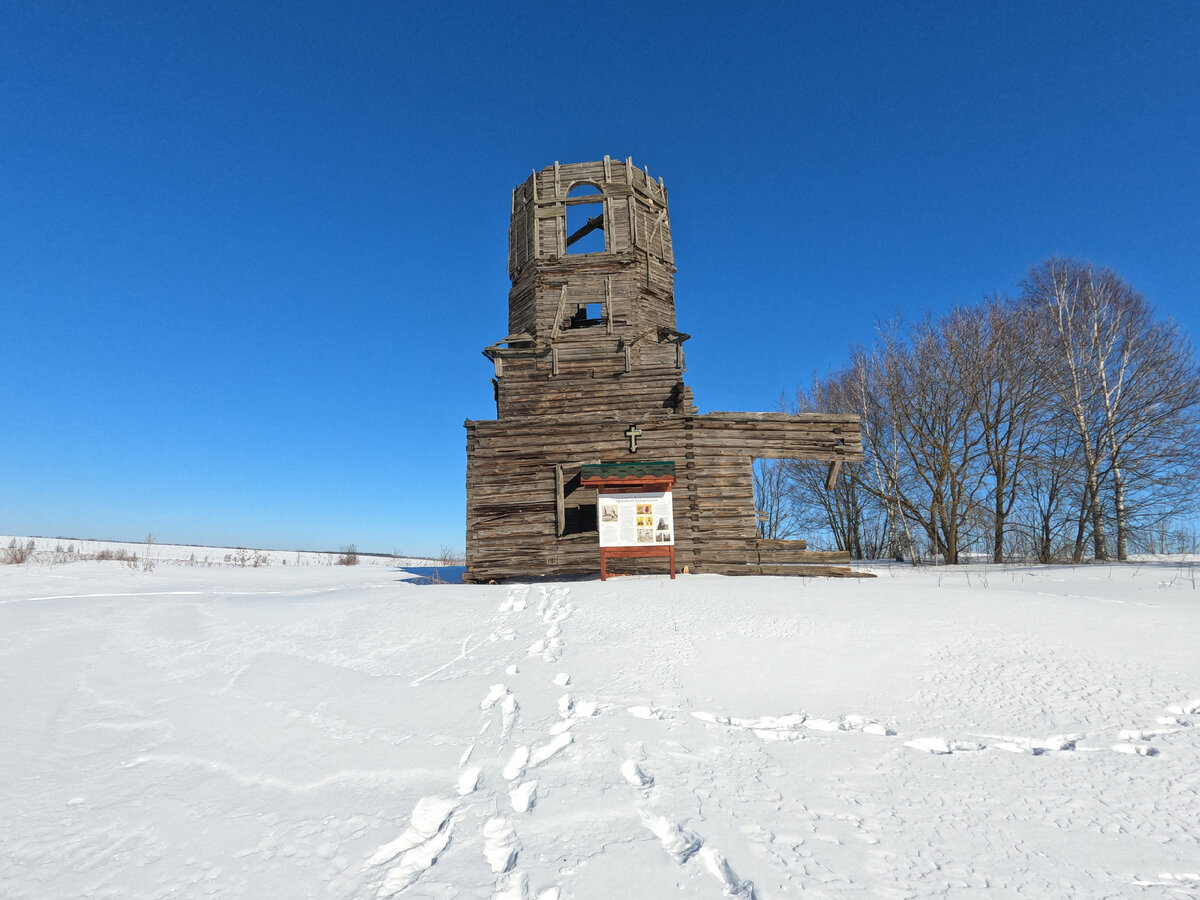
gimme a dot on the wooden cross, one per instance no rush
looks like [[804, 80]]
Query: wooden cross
[[633, 434]]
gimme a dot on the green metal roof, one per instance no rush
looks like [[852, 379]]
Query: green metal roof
[[629, 471]]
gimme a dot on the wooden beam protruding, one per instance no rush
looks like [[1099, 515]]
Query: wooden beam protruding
[[593, 223], [831, 477]]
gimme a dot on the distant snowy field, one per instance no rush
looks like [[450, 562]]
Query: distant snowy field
[[51, 551], [338, 732]]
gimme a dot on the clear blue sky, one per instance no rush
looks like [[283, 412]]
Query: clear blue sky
[[250, 252]]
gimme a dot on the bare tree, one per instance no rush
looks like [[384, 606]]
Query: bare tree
[[853, 518], [1065, 291], [778, 515], [1052, 487], [1125, 378], [931, 388], [1032, 425], [1011, 399]]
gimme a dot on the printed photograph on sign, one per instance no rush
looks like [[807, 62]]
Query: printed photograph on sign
[[609, 512], [645, 535]]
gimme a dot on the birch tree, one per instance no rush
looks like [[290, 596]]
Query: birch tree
[[1125, 378]]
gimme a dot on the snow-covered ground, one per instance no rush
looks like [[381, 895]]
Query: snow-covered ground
[[337, 732], [149, 554]]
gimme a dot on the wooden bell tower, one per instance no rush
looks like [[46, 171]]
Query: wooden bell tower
[[590, 375], [591, 311]]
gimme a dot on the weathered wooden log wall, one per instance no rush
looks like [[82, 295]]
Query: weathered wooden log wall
[[512, 521], [592, 351]]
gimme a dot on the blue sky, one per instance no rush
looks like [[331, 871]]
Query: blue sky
[[250, 252]]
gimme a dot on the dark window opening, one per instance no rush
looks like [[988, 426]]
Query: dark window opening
[[576, 505], [586, 315], [580, 519]]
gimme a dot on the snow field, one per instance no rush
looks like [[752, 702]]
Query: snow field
[[334, 732], [149, 554]]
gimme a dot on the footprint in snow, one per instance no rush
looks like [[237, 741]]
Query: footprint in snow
[[512, 886], [645, 712], [719, 868], [1143, 734], [508, 713], [509, 709], [788, 727], [515, 601], [940, 745], [419, 847], [1138, 749], [1186, 709], [523, 796], [468, 781], [500, 844], [553, 650], [634, 775], [540, 754], [495, 693], [1170, 879], [682, 843], [580, 709], [1038, 746], [516, 764], [515, 886]]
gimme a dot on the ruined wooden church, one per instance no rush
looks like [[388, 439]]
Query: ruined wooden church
[[591, 371]]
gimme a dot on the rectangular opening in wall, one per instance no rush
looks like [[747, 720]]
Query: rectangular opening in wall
[[587, 315], [585, 221], [804, 501], [778, 500], [575, 505]]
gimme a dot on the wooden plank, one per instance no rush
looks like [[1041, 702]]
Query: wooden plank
[[608, 319], [809, 571], [803, 556], [831, 476], [560, 504]]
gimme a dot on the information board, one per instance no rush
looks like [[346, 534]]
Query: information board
[[635, 520]]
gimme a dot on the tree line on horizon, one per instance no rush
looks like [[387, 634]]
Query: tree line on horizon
[[1058, 425]]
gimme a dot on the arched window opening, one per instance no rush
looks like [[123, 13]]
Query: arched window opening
[[585, 221]]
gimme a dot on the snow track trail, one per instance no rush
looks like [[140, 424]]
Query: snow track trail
[[338, 734]]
